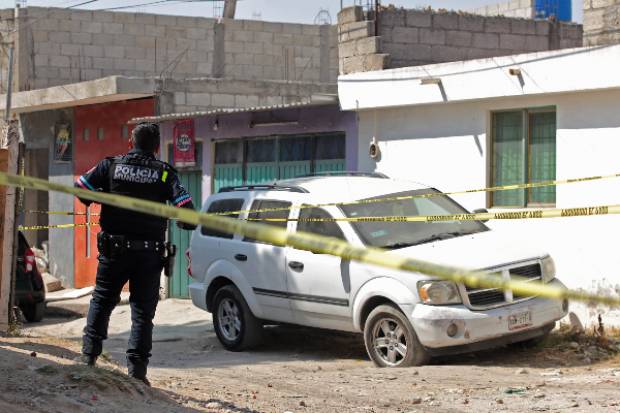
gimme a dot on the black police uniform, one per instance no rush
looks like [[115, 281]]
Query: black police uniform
[[131, 248]]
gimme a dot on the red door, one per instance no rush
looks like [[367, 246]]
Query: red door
[[100, 130]]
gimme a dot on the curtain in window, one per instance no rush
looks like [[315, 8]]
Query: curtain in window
[[508, 158], [542, 156]]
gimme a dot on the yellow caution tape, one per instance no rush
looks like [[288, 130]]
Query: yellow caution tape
[[429, 195], [31, 211], [482, 216], [316, 243], [58, 226]]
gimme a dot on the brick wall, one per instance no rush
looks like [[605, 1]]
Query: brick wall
[[601, 22], [525, 9], [75, 45], [418, 37]]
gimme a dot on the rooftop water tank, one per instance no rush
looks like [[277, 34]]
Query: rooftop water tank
[[561, 9]]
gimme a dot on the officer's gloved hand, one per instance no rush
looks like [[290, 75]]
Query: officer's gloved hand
[[186, 226]]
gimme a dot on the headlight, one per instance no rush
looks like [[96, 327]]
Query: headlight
[[439, 292], [548, 269]]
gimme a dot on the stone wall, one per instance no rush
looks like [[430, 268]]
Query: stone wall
[[601, 22], [524, 9], [418, 37], [69, 46]]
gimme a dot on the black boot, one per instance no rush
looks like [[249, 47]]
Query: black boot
[[87, 360]]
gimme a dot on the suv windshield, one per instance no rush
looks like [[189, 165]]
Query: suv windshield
[[395, 235]]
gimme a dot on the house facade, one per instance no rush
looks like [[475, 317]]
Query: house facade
[[256, 145], [508, 120]]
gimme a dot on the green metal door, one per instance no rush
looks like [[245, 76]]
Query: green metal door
[[177, 284]]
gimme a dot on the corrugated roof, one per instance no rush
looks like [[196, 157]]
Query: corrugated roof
[[315, 101]]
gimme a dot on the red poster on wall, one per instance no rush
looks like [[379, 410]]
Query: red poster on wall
[[184, 143]]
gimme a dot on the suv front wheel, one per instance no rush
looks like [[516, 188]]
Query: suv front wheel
[[235, 325], [391, 341]]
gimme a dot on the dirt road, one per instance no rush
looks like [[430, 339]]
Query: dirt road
[[304, 370]]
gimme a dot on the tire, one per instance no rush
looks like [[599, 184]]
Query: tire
[[536, 341], [34, 312], [235, 325], [385, 332]]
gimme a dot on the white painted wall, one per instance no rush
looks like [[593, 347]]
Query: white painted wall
[[445, 146]]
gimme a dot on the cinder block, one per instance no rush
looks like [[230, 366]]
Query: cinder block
[[253, 25], [102, 39], [196, 33], [301, 40], [283, 39], [254, 72], [536, 43], [430, 36], [144, 65], [114, 51], [408, 52], [51, 25], [82, 15], [41, 60], [542, 28], [418, 18], [157, 31], [103, 63], [47, 48], [234, 47], [356, 30], [272, 27], [60, 61], [392, 17], [39, 35], [485, 40], [446, 21], [310, 30], [404, 35], [205, 45], [458, 38], [133, 29], [594, 20], [497, 25], [365, 63], [45, 71], [103, 16], [145, 41], [470, 23], [135, 53], [90, 74], [92, 50], [263, 37], [441, 53], [350, 15], [243, 59], [165, 20], [143, 18], [369, 45], [196, 56], [92, 27], [347, 49], [204, 68], [512, 42], [522, 26], [246, 101], [124, 64], [253, 48], [112, 28], [60, 37], [70, 49], [291, 28], [124, 40], [243, 36], [221, 100]]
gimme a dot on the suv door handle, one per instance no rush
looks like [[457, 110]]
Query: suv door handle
[[241, 257], [296, 265]]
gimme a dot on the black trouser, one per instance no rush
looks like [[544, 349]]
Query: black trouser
[[142, 269]]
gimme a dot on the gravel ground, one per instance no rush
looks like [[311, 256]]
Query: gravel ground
[[299, 370]]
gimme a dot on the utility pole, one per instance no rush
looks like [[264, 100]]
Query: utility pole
[[230, 7]]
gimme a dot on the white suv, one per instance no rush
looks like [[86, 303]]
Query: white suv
[[405, 317]]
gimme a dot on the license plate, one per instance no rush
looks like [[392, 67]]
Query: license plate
[[518, 321]]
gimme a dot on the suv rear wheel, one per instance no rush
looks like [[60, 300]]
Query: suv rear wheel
[[391, 341], [235, 325]]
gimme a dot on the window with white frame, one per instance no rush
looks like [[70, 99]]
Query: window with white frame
[[523, 151]]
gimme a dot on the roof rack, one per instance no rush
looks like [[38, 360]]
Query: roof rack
[[347, 173], [263, 187]]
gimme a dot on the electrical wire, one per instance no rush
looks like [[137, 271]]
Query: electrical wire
[[47, 13], [156, 3]]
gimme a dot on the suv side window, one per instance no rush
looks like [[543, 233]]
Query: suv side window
[[326, 228], [269, 204], [223, 205]]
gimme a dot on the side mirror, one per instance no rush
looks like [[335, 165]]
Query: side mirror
[[481, 211]]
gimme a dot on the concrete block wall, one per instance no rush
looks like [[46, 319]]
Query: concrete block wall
[[418, 37], [191, 95], [76, 45], [524, 9], [601, 22], [6, 41]]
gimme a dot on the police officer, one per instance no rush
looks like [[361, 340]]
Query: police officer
[[131, 244]]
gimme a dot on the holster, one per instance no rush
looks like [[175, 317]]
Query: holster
[[169, 259]]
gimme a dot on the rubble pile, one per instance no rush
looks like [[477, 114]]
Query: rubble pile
[[589, 345], [51, 282]]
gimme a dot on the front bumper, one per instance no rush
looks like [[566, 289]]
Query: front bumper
[[431, 323]]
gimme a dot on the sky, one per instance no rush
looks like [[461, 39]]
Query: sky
[[298, 11]]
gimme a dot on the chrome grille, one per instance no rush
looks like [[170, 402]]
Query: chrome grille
[[491, 297]]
